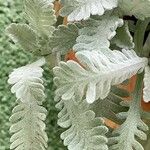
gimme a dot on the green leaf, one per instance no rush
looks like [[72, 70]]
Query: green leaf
[[78, 9], [40, 15], [23, 35], [138, 8], [64, 38], [123, 38], [95, 73], [85, 131], [97, 32]]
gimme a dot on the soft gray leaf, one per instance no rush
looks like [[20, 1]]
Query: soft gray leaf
[[95, 73], [64, 38], [28, 127], [127, 135], [85, 131], [40, 15], [97, 32], [146, 89], [24, 35], [138, 8], [27, 83], [78, 9], [28, 130]]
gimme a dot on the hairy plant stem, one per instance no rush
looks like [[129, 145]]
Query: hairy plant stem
[[133, 114], [137, 94], [140, 29], [138, 40]]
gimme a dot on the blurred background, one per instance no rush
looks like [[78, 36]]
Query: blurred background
[[12, 56]]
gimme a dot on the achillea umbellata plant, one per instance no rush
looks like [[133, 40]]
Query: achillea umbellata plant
[[95, 54]]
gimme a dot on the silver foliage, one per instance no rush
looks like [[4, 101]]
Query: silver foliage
[[28, 116], [95, 73]]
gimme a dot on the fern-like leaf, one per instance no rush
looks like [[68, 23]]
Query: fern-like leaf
[[125, 137], [40, 15], [78, 9], [27, 119], [96, 73], [85, 131], [64, 38], [23, 35], [93, 34], [84, 122], [27, 83], [97, 32], [28, 127], [146, 90]]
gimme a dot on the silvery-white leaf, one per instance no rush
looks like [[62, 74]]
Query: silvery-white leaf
[[24, 35], [138, 8], [77, 10], [84, 129], [96, 72], [28, 127], [27, 82], [97, 32], [146, 89], [40, 15]]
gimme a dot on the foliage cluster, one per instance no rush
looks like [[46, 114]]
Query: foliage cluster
[[12, 56], [110, 43]]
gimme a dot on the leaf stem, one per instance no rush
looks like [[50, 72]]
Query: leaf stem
[[137, 94], [138, 40], [141, 27]]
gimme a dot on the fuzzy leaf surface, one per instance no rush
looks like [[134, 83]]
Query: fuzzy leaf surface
[[84, 130], [128, 134], [138, 8], [95, 73], [40, 15], [27, 83], [23, 35], [78, 9], [28, 116], [28, 128], [64, 38], [97, 32], [146, 90]]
